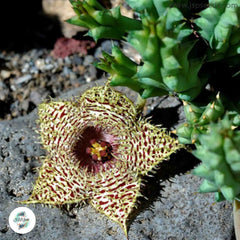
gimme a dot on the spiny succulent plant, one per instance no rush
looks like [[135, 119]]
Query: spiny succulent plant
[[198, 119], [219, 151], [219, 25], [164, 46], [161, 38], [98, 150], [102, 22]]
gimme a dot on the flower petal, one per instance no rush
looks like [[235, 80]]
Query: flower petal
[[60, 123], [59, 182], [149, 146], [115, 195], [108, 100]]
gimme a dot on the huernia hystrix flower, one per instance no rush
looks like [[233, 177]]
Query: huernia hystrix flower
[[98, 150]]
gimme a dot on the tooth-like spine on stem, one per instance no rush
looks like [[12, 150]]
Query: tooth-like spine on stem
[[198, 119]]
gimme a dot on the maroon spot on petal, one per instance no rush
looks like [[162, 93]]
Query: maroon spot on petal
[[111, 184], [119, 186], [137, 147], [110, 196], [113, 205], [102, 202], [144, 155], [119, 103], [127, 194], [88, 99], [148, 151], [61, 108], [65, 174], [62, 114], [144, 134], [131, 186]]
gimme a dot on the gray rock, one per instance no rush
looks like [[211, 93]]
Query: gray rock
[[178, 212]]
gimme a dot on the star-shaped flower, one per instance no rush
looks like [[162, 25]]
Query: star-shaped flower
[[98, 151]]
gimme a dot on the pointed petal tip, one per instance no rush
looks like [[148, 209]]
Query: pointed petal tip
[[125, 230]]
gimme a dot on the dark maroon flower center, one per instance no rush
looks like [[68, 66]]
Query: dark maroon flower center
[[94, 149]]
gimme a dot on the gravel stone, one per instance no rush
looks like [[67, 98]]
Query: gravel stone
[[5, 74], [88, 60], [23, 79], [4, 91], [77, 60]]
